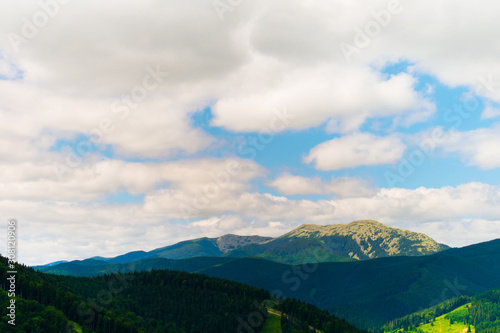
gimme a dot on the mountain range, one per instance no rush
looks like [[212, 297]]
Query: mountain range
[[358, 240], [200, 247]]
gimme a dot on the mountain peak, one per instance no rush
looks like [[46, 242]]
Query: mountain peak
[[372, 239], [350, 225], [315, 230]]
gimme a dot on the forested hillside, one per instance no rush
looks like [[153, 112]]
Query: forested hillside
[[156, 301]]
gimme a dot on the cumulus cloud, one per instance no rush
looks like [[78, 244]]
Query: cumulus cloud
[[96, 181], [288, 184], [246, 63], [434, 211], [356, 150], [316, 95], [263, 55], [434, 47], [477, 147]]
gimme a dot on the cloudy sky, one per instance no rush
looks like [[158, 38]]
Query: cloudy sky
[[128, 125]]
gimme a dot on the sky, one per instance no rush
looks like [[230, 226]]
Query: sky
[[132, 125]]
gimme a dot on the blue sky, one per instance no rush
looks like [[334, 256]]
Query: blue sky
[[139, 128]]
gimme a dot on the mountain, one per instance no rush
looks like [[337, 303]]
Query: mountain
[[206, 247], [367, 293], [157, 301], [374, 239], [92, 267], [358, 240], [200, 247], [52, 263]]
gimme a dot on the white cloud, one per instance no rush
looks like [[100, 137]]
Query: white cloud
[[350, 187], [341, 187], [397, 205], [490, 112], [434, 211], [460, 232], [356, 150], [436, 46], [477, 147], [165, 33], [289, 185], [308, 75], [156, 127], [96, 181], [316, 95], [264, 54]]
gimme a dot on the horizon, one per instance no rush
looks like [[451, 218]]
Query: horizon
[[110, 256], [139, 124]]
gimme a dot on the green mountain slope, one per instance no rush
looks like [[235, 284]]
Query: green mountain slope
[[292, 251], [455, 321], [359, 240], [481, 313]]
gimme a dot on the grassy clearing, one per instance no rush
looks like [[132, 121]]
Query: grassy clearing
[[442, 323], [272, 324]]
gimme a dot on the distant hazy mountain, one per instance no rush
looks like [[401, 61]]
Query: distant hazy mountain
[[52, 264], [200, 247], [358, 240], [206, 247]]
